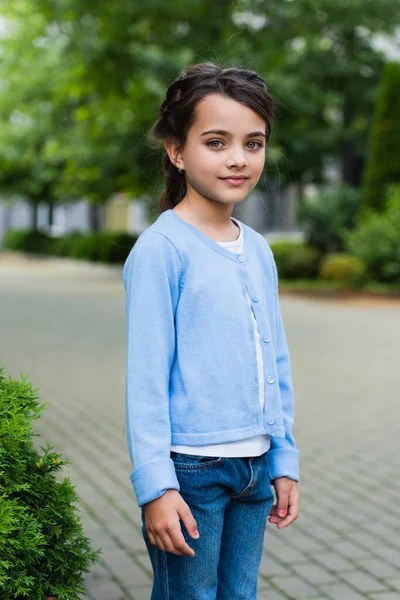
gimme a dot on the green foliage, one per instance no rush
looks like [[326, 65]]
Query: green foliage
[[87, 247], [383, 166], [31, 122], [115, 247], [102, 246], [27, 241], [295, 260], [83, 82], [108, 247], [61, 246], [98, 74], [376, 241], [323, 66], [43, 550], [325, 218], [343, 268]]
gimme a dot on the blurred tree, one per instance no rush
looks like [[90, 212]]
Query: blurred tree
[[119, 59], [323, 66], [114, 60], [383, 166], [327, 217], [29, 120]]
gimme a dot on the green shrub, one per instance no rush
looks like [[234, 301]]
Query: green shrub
[[343, 268], [43, 550], [27, 241], [326, 218], [108, 247], [101, 246], [86, 247], [377, 240], [295, 260], [383, 158], [115, 247], [62, 245]]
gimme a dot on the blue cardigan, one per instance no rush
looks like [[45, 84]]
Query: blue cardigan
[[191, 358]]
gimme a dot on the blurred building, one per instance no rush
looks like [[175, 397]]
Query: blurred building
[[274, 216]]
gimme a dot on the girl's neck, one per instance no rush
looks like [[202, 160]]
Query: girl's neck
[[212, 218]]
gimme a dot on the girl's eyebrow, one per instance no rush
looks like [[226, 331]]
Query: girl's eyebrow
[[223, 132]]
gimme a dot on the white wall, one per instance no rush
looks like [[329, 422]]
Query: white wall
[[66, 217]]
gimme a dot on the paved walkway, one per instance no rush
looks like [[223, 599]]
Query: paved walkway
[[63, 326]]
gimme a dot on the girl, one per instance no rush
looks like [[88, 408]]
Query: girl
[[209, 399]]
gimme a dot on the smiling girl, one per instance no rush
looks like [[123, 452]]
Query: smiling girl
[[209, 400]]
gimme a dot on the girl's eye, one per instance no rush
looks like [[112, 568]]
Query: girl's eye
[[211, 142], [259, 145], [256, 145]]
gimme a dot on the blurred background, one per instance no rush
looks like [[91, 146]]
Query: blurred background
[[80, 85]]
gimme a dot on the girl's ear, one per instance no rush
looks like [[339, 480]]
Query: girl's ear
[[172, 148]]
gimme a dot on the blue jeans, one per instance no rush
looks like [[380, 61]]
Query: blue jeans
[[230, 498]]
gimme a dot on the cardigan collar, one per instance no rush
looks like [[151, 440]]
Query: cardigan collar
[[238, 258]]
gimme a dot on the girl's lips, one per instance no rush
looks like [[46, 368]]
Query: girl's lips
[[234, 181]]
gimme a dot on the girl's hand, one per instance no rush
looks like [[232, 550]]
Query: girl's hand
[[162, 523], [286, 510]]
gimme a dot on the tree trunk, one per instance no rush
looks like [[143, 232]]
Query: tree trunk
[[95, 217], [352, 165], [34, 215], [352, 162], [50, 215]]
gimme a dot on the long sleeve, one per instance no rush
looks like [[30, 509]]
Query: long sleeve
[[151, 280], [283, 456]]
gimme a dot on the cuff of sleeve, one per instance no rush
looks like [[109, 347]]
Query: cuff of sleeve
[[152, 479], [284, 462]]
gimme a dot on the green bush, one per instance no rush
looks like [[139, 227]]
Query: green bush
[[343, 268], [27, 241], [102, 246], [43, 550], [86, 247], [383, 159], [115, 247], [61, 245], [326, 218], [108, 247], [377, 240], [295, 260]]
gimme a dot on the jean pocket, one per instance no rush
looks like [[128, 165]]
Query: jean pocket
[[182, 460]]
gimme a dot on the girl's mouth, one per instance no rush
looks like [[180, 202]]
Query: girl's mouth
[[235, 180]]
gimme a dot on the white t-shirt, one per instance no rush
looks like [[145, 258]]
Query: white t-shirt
[[252, 446]]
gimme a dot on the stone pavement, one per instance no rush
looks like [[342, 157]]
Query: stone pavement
[[63, 325]]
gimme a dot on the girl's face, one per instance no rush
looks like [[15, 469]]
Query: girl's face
[[227, 140]]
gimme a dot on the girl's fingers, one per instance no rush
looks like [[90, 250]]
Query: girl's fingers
[[274, 519], [292, 515], [179, 541], [274, 511], [188, 520], [287, 521], [293, 512], [159, 543], [169, 544], [151, 538], [171, 541]]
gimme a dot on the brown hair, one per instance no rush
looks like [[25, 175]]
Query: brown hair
[[177, 112]]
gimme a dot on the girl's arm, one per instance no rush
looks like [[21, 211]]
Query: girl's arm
[[151, 280], [283, 455]]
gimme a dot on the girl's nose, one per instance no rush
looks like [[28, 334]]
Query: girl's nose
[[237, 158]]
